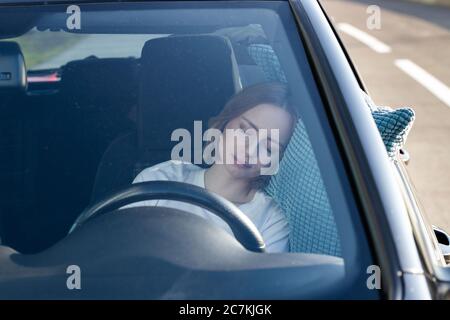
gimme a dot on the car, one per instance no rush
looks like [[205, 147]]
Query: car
[[91, 95]]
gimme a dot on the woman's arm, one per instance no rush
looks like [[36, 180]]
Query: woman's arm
[[275, 231], [163, 171]]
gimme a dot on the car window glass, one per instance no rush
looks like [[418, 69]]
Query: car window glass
[[140, 92]]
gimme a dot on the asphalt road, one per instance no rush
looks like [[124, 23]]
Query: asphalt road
[[407, 63]]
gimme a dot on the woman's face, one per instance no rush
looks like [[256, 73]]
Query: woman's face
[[253, 141]]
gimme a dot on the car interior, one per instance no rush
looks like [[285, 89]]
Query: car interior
[[73, 135], [92, 112]]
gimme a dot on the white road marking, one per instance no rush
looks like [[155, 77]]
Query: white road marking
[[436, 87], [365, 38]]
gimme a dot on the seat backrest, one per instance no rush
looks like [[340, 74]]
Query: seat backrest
[[17, 146], [183, 79], [94, 100]]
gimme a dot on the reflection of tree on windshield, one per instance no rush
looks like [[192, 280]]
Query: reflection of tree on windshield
[[40, 46], [53, 49]]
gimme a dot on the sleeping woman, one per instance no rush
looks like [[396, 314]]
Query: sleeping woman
[[233, 176]]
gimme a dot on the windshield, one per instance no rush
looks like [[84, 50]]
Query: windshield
[[51, 50], [99, 97]]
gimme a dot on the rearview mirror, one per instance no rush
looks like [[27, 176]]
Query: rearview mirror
[[444, 242]]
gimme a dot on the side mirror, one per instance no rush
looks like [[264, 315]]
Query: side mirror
[[444, 243]]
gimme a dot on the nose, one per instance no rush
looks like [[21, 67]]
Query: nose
[[248, 153]]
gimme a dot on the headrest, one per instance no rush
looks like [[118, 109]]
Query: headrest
[[13, 74], [100, 82], [183, 78]]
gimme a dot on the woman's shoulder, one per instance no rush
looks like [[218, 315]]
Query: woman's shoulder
[[264, 199], [272, 221], [262, 202], [269, 206], [173, 170]]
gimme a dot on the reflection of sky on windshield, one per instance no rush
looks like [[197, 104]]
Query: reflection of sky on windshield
[[101, 46]]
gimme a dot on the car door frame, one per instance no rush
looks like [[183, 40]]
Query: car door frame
[[436, 273], [384, 212]]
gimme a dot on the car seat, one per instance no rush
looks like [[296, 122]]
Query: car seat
[[182, 79], [17, 144]]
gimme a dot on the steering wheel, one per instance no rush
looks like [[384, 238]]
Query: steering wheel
[[243, 228]]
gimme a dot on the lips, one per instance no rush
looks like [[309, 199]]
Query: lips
[[242, 165]]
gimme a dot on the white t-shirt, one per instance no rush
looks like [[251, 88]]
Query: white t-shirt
[[261, 210]]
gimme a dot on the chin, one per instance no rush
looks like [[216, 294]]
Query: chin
[[239, 172]]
